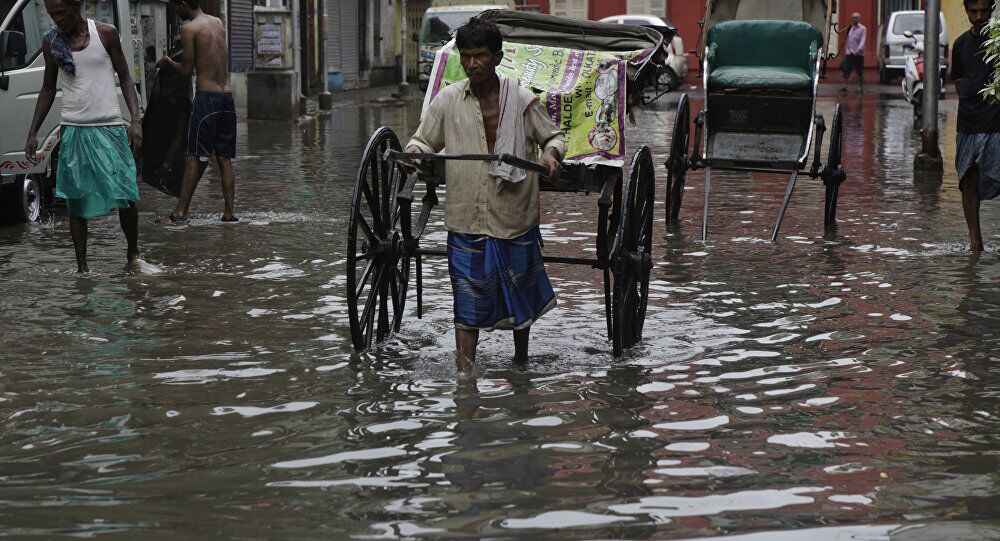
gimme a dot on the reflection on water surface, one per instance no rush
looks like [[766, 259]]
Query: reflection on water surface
[[842, 386]]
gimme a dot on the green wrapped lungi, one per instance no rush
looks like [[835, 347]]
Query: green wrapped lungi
[[96, 170]]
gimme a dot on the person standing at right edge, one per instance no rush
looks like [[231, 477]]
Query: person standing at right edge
[[212, 127], [978, 155]]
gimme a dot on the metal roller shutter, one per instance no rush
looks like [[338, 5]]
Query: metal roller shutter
[[656, 8], [890, 6], [240, 35], [343, 43], [574, 9]]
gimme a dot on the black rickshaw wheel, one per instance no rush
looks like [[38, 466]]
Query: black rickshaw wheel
[[677, 161], [378, 269], [834, 174], [631, 258]]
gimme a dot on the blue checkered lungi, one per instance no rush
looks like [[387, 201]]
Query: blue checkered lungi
[[983, 151], [498, 283]]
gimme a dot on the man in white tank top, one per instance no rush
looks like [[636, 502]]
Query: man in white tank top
[[95, 171]]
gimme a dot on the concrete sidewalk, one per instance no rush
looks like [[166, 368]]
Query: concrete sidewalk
[[386, 95]]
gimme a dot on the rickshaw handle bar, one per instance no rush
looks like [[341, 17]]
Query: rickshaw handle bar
[[408, 157]]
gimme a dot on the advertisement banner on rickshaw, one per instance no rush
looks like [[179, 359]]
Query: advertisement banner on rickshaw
[[583, 92]]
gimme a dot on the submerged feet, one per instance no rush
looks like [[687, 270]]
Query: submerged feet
[[134, 266], [173, 219]]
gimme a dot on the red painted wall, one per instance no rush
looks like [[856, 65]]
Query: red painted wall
[[686, 16], [600, 9]]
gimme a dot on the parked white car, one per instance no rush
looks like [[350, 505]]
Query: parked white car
[[677, 59], [895, 46]]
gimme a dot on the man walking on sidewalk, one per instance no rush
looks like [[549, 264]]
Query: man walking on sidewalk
[[96, 170], [854, 52], [978, 156], [212, 127]]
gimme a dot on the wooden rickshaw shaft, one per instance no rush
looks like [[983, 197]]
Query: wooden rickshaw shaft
[[410, 157], [509, 159]]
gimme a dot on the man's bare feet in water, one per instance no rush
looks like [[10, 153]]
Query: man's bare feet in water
[[230, 219], [134, 266], [173, 219]]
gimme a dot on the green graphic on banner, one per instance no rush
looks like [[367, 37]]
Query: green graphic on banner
[[583, 92]]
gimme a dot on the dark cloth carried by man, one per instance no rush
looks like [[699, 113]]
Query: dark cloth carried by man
[[165, 128]]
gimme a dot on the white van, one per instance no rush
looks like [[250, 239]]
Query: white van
[[26, 184], [440, 22], [892, 53]]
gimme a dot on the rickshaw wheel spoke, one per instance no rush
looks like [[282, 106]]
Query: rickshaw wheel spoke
[[377, 265], [365, 275], [631, 257], [677, 162]]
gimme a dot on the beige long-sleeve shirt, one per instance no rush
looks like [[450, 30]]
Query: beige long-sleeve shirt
[[472, 204]]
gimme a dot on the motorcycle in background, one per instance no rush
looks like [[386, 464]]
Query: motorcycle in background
[[913, 75]]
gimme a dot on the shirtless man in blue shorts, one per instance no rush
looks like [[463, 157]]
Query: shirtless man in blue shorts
[[212, 128]]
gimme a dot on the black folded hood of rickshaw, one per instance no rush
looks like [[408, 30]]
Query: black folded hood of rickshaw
[[552, 31]]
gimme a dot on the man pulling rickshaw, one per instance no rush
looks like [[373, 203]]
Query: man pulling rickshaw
[[491, 108], [492, 214]]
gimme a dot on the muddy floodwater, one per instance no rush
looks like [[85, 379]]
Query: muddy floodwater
[[812, 388]]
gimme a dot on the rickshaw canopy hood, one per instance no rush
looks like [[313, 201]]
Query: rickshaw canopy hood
[[552, 31], [816, 12]]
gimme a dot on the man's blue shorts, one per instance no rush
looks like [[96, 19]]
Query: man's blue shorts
[[212, 127]]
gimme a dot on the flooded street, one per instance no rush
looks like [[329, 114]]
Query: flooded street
[[847, 386]]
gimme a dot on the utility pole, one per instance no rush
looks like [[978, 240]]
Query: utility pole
[[300, 100], [325, 98], [404, 85], [929, 158]]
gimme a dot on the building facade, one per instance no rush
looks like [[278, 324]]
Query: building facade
[[365, 41], [352, 44]]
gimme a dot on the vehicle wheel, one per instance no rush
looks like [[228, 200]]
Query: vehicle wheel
[[378, 271], [677, 161], [23, 200], [631, 259], [883, 76], [668, 80], [833, 173]]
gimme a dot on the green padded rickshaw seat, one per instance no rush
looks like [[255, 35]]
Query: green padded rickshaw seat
[[753, 77], [766, 54]]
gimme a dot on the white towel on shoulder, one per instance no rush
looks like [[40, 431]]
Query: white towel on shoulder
[[514, 101]]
